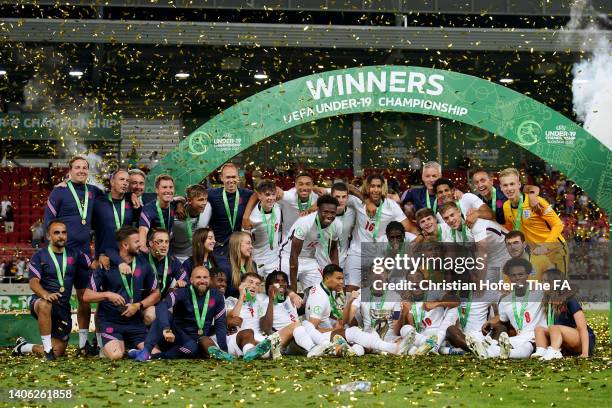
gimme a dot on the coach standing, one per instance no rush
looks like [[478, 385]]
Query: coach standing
[[227, 209]]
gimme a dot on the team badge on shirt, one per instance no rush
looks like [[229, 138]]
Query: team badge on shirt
[[526, 214]]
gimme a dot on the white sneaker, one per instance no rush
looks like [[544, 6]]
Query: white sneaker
[[342, 347], [504, 346], [405, 343], [539, 353], [476, 346], [430, 344], [552, 354], [322, 349]]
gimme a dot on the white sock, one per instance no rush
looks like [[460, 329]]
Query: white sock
[[369, 340], [99, 339], [540, 350], [83, 334], [247, 347], [316, 336], [27, 348], [358, 349], [412, 351], [46, 342], [302, 338], [441, 337]]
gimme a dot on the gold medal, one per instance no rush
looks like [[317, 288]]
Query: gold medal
[[200, 332], [62, 289], [83, 222]]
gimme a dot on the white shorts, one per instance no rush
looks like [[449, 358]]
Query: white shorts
[[266, 266], [352, 270], [232, 346], [309, 273]]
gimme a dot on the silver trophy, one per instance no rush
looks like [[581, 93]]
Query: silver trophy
[[380, 320]]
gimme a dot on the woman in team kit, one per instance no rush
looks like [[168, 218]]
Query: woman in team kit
[[568, 332], [373, 215]]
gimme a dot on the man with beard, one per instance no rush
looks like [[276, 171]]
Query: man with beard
[[281, 317], [312, 244], [52, 273], [158, 213], [186, 322], [122, 298], [518, 248]]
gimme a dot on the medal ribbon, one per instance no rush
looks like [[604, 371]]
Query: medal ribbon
[[335, 312], [519, 215], [199, 316], [463, 234], [550, 315], [129, 288], [118, 221], [60, 272], [519, 319], [231, 218], [81, 207], [418, 322], [326, 244], [377, 220], [305, 206], [428, 202], [162, 221], [494, 200], [463, 316], [270, 225], [165, 276]]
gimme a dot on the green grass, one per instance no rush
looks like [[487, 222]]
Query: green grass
[[438, 381]]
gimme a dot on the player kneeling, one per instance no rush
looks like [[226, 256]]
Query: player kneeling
[[326, 320], [198, 311], [521, 309], [52, 273]]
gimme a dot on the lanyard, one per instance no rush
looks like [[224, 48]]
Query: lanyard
[[428, 202], [82, 207], [494, 200], [519, 319], [152, 263], [118, 221], [439, 233], [418, 322], [377, 220], [129, 288], [519, 214], [231, 218], [463, 234], [200, 316], [60, 272], [550, 315], [465, 312], [270, 225], [162, 221], [303, 207], [326, 244], [334, 308]]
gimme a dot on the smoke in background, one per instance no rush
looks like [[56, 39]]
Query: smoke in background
[[592, 83]]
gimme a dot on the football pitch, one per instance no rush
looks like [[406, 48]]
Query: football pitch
[[439, 381]]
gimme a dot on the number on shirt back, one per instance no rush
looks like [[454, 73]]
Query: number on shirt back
[[312, 244]]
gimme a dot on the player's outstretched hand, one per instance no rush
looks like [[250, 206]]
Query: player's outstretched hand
[[181, 284], [104, 261], [471, 217], [273, 290]]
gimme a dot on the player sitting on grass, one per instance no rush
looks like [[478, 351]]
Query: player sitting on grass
[[122, 298], [247, 311], [52, 273], [197, 311], [567, 332], [522, 310], [425, 318], [326, 320], [281, 316]]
